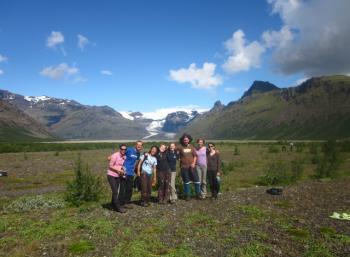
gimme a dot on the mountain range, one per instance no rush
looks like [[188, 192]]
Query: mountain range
[[319, 108], [68, 119]]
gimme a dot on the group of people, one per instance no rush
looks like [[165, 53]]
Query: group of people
[[158, 166]]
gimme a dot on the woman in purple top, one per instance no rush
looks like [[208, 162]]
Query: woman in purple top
[[201, 166]]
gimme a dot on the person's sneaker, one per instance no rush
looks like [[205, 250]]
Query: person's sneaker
[[199, 197], [172, 202]]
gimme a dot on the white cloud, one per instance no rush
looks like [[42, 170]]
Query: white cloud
[[231, 90], [277, 38], [299, 81], [106, 72], [200, 78], [318, 34], [1, 72], [60, 71], [3, 58], [82, 42], [243, 55], [54, 39]]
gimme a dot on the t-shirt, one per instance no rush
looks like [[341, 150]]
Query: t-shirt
[[187, 155], [149, 163], [202, 156], [116, 162], [132, 155]]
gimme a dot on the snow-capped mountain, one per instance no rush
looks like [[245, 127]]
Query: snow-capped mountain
[[165, 122]]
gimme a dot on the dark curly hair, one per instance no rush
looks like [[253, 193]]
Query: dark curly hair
[[181, 140]]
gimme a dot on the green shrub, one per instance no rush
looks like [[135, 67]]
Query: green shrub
[[227, 167], [315, 159], [273, 149], [85, 187], [57, 153], [276, 174], [297, 170], [313, 148], [236, 151], [279, 173], [329, 162], [34, 202]]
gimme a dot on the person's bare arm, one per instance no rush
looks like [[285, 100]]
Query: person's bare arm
[[139, 168]]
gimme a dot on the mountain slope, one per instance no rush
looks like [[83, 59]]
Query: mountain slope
[[16, 125], [317, 109], [69, 119]]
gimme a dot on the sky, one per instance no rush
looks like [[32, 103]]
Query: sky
[[152, 55]]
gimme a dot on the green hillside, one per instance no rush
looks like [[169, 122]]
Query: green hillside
[[319, 108]]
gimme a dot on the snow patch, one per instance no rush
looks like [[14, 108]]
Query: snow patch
[[36, 99], [161, 113], [154, 128], [126, 115]]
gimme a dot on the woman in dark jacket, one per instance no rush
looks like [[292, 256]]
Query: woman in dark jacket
[[164, 175], [213, 173]]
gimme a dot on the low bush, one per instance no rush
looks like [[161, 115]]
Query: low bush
[[227, 167], [34, 202], [236, 150], [330, 161], [273, 149], [279, 173], [85, 187]]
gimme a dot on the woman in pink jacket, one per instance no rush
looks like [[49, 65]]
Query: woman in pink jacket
[[116, 178]]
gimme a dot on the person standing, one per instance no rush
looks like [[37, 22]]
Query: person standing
[[164, 175], [213, 161], [188, 158], [172, 159], [201, 166], [116, 178], [147, 170], [132, 155]]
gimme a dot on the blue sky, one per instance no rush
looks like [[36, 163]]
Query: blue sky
[[136, 55]]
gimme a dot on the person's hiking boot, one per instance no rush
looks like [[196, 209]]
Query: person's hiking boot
[[128, 206], [120, 210], [199, 197]]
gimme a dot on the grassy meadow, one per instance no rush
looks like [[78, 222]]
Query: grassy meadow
[[35, 219]]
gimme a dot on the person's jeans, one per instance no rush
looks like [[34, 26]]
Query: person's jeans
[[129, 183], [189, 175], [173, 195], [118, 187], [202, 176], [163, 185], [213, 182], [146, 187]]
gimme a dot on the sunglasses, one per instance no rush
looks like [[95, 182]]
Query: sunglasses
[[123, 149]]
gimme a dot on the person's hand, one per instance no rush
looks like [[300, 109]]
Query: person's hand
[[193, 165], [138, 174], [154, 182]]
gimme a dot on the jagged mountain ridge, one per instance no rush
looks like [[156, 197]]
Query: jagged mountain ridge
[[319, 108]]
